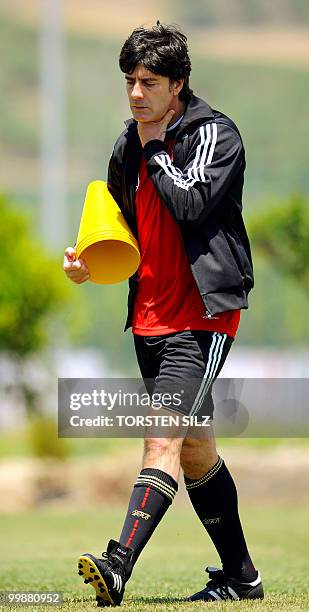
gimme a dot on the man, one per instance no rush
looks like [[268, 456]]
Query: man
[[177, 174]]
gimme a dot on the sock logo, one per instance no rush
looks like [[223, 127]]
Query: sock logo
[[141, 514], [211, 521]]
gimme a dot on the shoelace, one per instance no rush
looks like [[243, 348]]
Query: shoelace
[[218, 583], [114, 563]]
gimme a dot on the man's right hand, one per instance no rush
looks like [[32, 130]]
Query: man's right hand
[[75, 269]]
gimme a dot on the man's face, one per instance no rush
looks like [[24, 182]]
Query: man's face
[[150, 95]]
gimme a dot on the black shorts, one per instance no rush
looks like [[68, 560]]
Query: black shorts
[[183, 363]]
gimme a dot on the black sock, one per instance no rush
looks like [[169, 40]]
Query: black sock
[[214, 498], [152, 494]]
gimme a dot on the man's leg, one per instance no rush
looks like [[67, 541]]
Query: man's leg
[[153, 492], [157, 483], [214, 497]]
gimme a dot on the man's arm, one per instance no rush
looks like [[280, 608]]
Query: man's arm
[[114, 179], [215, 158]]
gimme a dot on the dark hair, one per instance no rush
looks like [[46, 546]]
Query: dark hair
[[163, 50]]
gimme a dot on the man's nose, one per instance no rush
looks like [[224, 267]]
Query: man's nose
[[136, 92]]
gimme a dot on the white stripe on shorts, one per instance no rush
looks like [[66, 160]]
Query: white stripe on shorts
[[214, 358]]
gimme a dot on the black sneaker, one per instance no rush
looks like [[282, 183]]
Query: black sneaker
[[109, 574], [220, 588]]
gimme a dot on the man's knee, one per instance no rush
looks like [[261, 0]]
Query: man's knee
[[197, 445], [197, 456], [161, 446], [190, 443], [192, 447]]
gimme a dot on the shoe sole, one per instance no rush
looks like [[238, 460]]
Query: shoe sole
[[92, 575]]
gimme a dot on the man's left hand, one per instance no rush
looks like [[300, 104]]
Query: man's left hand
[[154, 130]]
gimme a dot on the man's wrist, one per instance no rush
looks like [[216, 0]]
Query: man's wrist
[[152, 147]]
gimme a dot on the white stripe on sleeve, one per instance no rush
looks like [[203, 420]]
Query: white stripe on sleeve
[[203, 157], [213, 144]]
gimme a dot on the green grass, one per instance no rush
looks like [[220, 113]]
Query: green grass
[[39, 551]]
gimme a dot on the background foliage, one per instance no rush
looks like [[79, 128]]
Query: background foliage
[[281, 233], [268, 101], [31, 287]]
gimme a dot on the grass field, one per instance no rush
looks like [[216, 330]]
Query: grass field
[[39, 552]]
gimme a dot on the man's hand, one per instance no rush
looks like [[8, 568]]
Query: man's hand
[[154, 131], [75, 269]]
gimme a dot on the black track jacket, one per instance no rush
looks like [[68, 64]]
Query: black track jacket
[[202, 188]]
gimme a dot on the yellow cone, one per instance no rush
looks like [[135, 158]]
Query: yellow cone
[[104, 240]]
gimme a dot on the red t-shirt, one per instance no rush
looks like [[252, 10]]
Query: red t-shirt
[[167, 298]]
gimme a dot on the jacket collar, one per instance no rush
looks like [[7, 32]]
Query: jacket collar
[[196, 110]]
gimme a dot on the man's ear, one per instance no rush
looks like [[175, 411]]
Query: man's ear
[[177, 86]]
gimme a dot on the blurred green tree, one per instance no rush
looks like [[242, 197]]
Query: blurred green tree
[[32, 289], [31, 286], [281, 234]]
